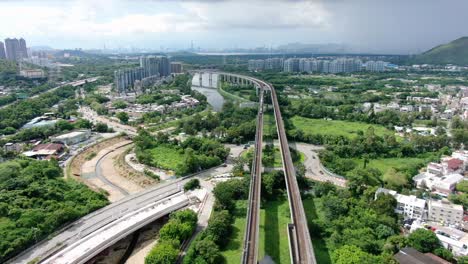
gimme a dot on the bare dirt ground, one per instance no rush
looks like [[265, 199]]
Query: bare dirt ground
[[113, 174], [75, 166], [128, 172], [107, 171]]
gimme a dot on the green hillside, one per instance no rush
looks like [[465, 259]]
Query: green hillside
[[455, 52]]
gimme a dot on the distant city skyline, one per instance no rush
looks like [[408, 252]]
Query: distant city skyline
[[398, 27]]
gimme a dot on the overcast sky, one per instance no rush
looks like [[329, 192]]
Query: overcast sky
[[397, 26]]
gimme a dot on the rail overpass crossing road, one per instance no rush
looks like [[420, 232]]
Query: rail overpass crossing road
[[98, 219], [86, 248], [300, 243]]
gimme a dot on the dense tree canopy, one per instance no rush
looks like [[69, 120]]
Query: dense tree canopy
[[180, 227], [35, 201]]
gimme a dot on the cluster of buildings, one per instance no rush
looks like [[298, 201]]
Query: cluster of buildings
[[442, 217], [446, 219], [441, 178], [315, 65], [136, 111], [439, 211], [13, 49], [150, 67], [56, 148], [451, 101], [32, 73]]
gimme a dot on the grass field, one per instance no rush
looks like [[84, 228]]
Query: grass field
[[385, 164], [232, 253], [322, 254], [274, 218], [273, 237], [277, 157], [269, 126], [166, 157], [335, 127], [426, 123], [231, 96]]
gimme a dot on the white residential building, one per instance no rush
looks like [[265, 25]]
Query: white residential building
[[443, 185], [375, 66], [409, 206], [445, 212]]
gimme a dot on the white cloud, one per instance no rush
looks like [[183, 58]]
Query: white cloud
[[108, 18], [261, 14]]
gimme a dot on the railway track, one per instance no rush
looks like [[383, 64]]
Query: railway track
[[299, 236], [250, 250], [300, 243]]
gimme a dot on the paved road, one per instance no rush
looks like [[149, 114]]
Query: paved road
[[86, 248], [99, 174], [314, 169], [98, 219]]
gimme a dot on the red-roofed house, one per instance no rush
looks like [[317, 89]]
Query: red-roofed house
[[454, 165]]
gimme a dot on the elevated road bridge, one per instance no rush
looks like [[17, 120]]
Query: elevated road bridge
[[103, 218]]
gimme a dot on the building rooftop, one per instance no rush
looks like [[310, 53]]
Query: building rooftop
[[71, 134], [49, 146], [451, 178], [454, 163], [410, 200], [446, 204], [410, 255]]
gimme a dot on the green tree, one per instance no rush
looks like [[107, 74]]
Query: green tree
[[350, 254], [395, 243], [165, 252], [119, 104], [101, 127], [63, 125], [423, 240], [227, 192], [83, 123], [444, 253], [192, 184], [123, 117], [385, 204], [176, 230], [395, 179], [462, 186], [462, 260], [208, 251], [219, 227]]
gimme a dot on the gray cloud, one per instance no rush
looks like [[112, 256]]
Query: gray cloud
[[396, 26]]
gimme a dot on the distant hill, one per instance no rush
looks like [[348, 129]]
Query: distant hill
[[455, 52]]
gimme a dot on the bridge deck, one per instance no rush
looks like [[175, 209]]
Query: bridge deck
[[299, 236]]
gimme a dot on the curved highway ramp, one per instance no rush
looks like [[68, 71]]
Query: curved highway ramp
[[128, 210]]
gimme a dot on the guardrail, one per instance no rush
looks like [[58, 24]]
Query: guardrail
[[82, 257], [330, 173]]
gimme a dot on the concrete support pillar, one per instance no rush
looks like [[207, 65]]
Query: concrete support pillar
[[200, 79]]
